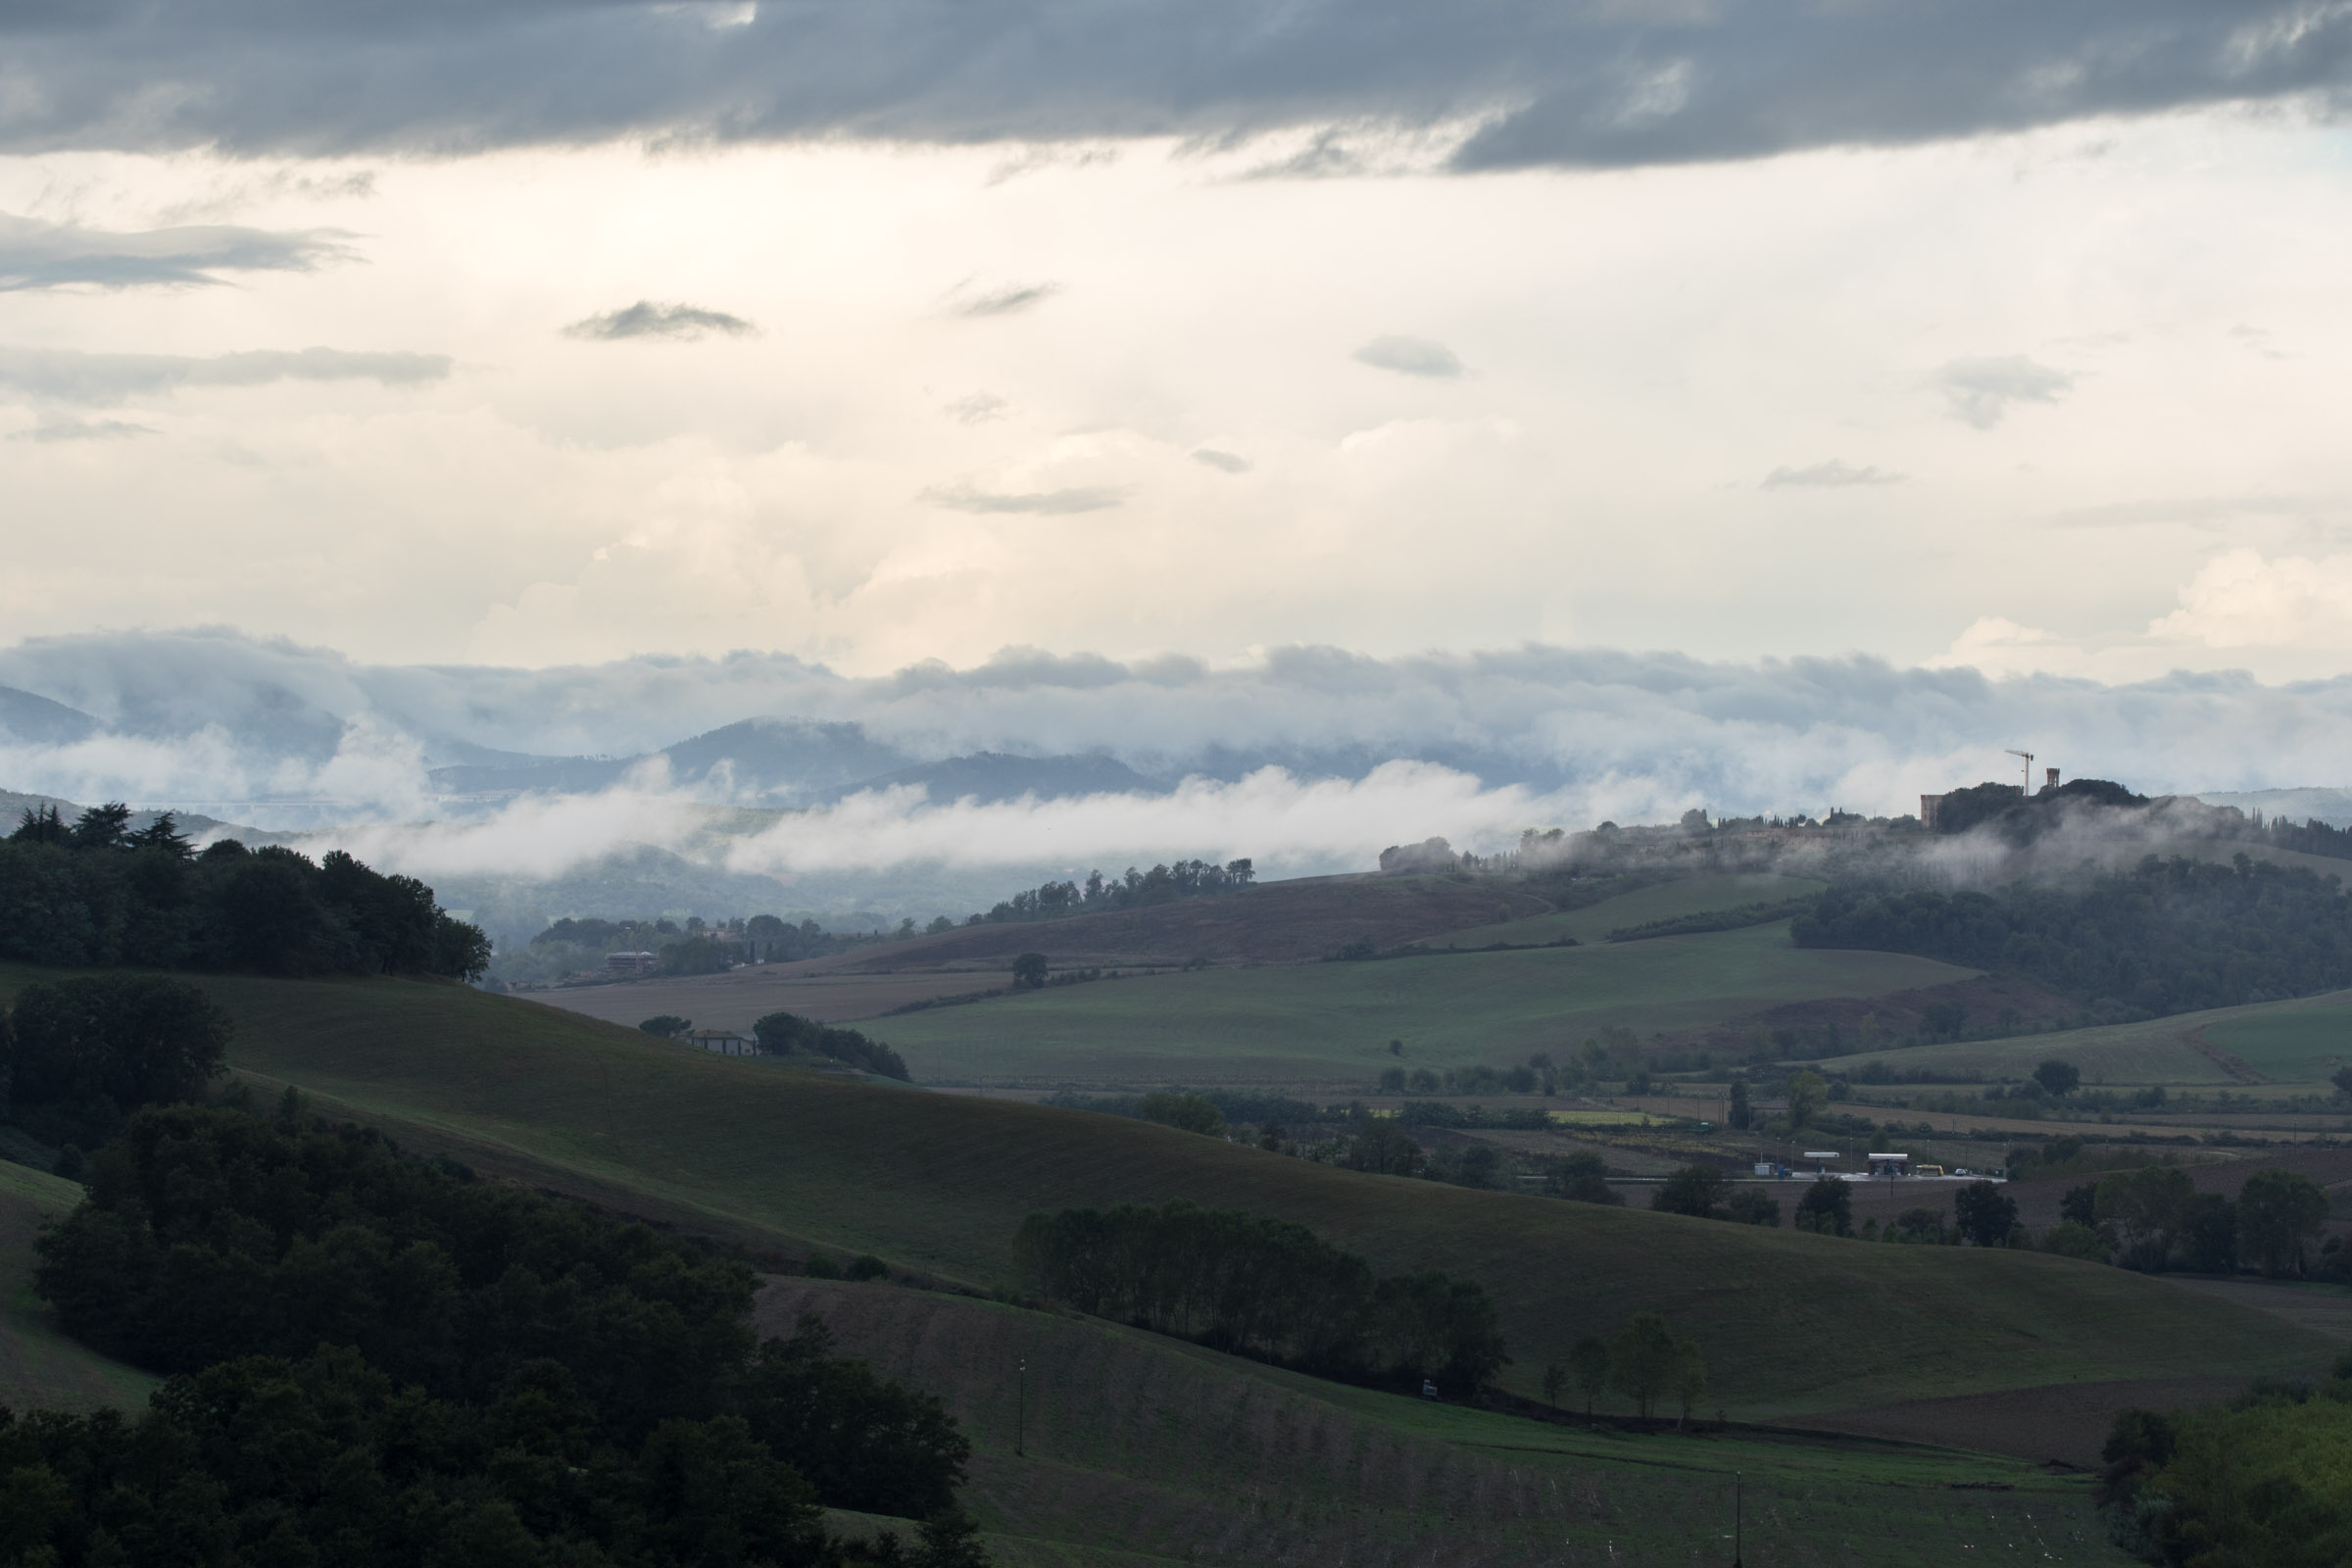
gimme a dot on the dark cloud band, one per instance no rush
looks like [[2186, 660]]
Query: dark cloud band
[[1598, 83], [34, 255]]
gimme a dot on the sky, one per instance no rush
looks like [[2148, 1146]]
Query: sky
[[1905, 337]]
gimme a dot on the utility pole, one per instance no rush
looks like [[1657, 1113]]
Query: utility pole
[[1737, 1481], [1020, 1416]]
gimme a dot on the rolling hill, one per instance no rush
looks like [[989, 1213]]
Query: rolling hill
[[1331, 1023], [2297, 1042], [1143, 1449], [784, 1159]]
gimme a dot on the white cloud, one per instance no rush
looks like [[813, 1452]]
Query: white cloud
[[2242, 600], [1832, 474], [1980, 392], [1411, 356]]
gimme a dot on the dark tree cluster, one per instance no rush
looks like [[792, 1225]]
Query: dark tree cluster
[[2154, 1219], [2170, 936], [1242, 1282], [782, 1034], [76, 1057], [379, 1359], [1162, 884], [2256, 1482], [96, 892]]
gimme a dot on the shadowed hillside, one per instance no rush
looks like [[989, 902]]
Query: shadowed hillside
[[786, 1157], [1136, 1443]]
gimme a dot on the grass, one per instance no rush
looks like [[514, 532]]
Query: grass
[[2301, 1041], [1667, 900], [39, 1367], [789, 1158], [1144, 1449], [1321, 1022]]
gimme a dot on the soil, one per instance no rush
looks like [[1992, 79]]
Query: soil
[[2065, 1423]]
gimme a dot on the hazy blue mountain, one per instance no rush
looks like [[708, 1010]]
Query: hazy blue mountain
[[38, 722], [990, 777]]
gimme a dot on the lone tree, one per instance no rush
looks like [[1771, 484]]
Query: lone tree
[[1029, 970], [1690, 1380], [1984, 1214], [1695, 1189], [2059, 1078], [1645, 1360], [1808, 1091], [1589, 1365], [1740, 1115], [1828, 1206], [668, 1025], [2343, 1082], [1555, 1378], [2278, 1211]]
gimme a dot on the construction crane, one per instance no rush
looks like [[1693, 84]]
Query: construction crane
[[2027, 788]]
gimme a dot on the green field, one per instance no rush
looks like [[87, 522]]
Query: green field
[[1667, 900], [784, 1158], [2299, 1041], [1326, 1022], [1144, 1449], [39, 1367]]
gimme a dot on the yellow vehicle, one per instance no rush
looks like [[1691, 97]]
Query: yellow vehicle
[[1926, 1170]]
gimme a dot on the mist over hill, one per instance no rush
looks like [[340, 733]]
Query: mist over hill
[[760, 779]]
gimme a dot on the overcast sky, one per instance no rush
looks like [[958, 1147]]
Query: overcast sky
[[537, 334]]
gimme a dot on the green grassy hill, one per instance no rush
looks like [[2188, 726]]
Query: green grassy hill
[[39, 1367], [1144, 1450], [1666, 901], [1326, 1022], [2297, 1042], [938, 1182]]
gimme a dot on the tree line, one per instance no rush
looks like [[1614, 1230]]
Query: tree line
[[2168, 936], [97, 892], [783, 1033], [377, 1359], [1262, 1286], [1162, 884], [2154, 1219]]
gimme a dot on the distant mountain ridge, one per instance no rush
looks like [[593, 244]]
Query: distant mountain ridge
[[791, 762]]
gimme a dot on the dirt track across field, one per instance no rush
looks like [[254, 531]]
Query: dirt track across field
[[2067, 1422]]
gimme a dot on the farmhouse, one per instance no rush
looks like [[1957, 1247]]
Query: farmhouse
[[726, 1042]]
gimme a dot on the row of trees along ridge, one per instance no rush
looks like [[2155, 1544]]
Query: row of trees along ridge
[[97, 892]]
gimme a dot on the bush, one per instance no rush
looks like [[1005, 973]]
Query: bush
[[2071, 1238], [1749, 1205], [667, 1025], [1190, 1113]]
